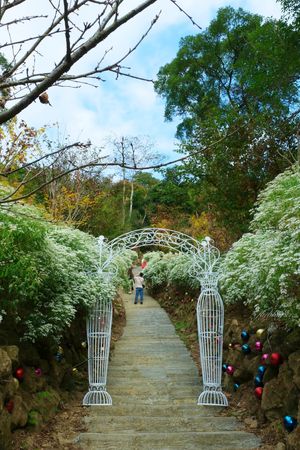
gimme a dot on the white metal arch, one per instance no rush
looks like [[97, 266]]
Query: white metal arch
[[210, 311]]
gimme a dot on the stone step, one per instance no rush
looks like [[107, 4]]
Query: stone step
[[230, 440], [130, 371], [137, 423], [156, 399], [144, 381], [145, 389], [154, 410]]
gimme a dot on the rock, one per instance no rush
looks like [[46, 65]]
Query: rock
[[293, 439], [291, 342], [270, 373], [294, 364], [13, 352], [5, 364], [5, 433], [290, 392], [280, 446], [19, 414], [272, 399], [46, 403], [251, 364], [11, 387], [251, 422]]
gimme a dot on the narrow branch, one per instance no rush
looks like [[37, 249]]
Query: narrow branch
[[67, 32], [41, 158], [186, 14]]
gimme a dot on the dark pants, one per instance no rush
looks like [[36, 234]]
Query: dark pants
[[139, 293]]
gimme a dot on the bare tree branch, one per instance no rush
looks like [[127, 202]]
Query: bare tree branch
[[185, 13], [108, 24], [100, 163], [67, 32]]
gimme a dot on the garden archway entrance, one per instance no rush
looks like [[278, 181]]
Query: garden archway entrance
[[210, 311]]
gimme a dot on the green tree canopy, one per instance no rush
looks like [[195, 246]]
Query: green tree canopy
[[238, 79]]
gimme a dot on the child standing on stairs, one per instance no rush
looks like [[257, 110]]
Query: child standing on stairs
[[139, 288]]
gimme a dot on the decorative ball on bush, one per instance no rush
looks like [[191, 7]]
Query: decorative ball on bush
[[230, 370], [19, 373], [236, 386], [38, 372], [58, 357], [245, 335], [261, 370], [259, 332], [83, 344], [246, 349], [16, 383], [258, 381], [258, 392], [264, 358], [290, 423], [224, 367], [9, 406], [258, 346], [276, 359]]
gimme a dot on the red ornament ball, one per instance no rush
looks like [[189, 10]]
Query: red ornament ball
[[276, 359], [9, 406], [19, 373], [230, 370], [258, 392]]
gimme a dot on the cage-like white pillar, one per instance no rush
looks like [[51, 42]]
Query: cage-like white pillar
[[98, 336], [210, 311], [210, 319]]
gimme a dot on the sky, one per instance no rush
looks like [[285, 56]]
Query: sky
[[125, 106]]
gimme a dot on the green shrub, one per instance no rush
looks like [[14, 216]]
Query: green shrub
[[263, 267], [47, 272]]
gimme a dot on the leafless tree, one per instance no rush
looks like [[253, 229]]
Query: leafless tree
[[132, 151], [77, 25]]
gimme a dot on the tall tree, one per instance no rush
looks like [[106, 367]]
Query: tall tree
[[239, 78]]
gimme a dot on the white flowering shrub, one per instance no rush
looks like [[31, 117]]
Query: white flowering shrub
[[169, 268], [263, 267], [47, 272]]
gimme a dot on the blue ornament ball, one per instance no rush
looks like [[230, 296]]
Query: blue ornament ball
[[245, 335], [261, 370], [236, 386], [290, 423], [258, 381], [58, 357], [224, 367], [246, 349]]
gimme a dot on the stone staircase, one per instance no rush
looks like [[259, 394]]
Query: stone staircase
[[154, 385]]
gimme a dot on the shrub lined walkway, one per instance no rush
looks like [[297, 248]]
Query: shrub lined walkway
[[154, 385]]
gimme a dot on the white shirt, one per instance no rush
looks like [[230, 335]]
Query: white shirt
[[138, 281]]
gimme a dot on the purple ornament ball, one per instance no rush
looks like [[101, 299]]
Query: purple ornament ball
[[258, 346], [264, 358], [38, 372]]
